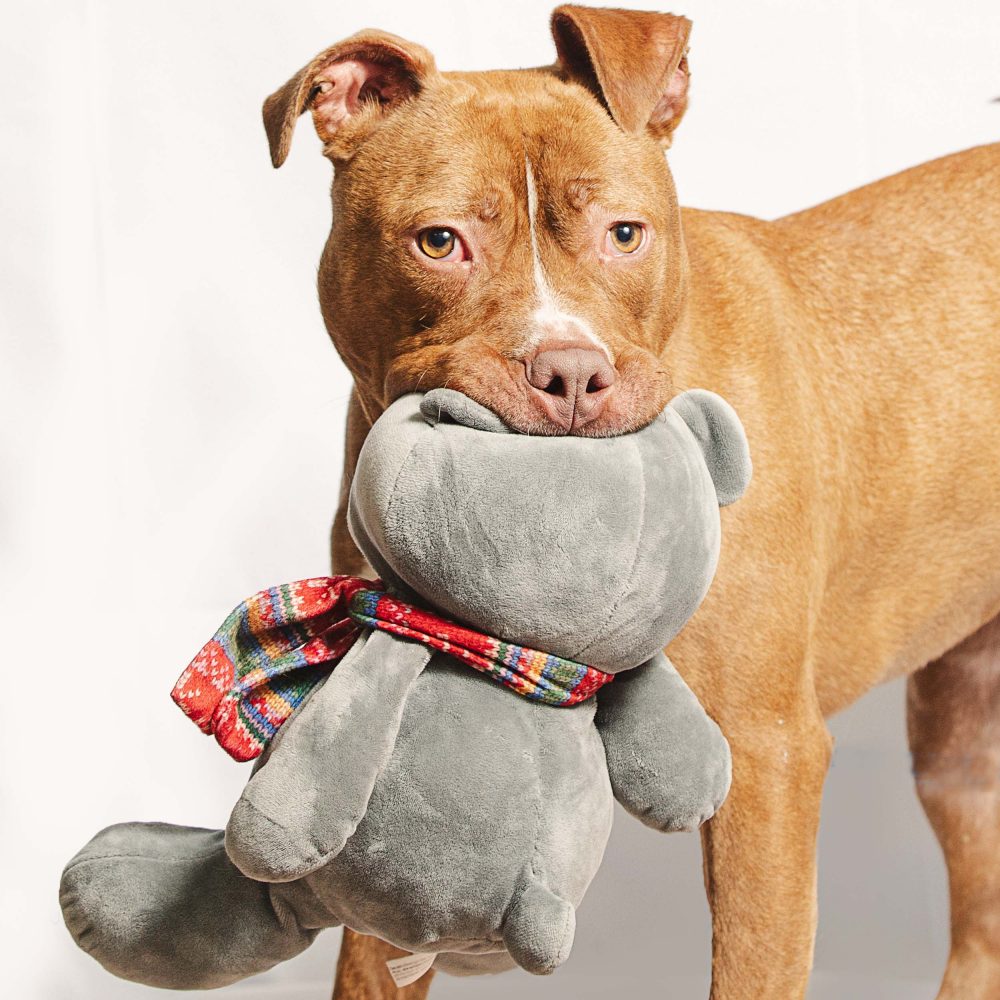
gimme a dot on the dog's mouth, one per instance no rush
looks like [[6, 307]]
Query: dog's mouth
[[536, 400]]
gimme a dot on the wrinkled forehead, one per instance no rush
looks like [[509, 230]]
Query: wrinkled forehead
[[465, 148]]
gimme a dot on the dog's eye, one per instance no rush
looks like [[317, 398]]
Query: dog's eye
[[625, 237], [437, 242]]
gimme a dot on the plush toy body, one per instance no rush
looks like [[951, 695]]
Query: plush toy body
[[410, 796]]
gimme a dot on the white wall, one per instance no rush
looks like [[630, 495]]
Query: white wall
[[172, 419]]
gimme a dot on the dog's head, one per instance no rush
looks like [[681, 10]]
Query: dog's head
[[514, 235]]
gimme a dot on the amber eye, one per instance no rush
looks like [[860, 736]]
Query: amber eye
[[626, 237], [437, 242]]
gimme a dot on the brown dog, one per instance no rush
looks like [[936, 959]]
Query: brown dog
[[516, 235]]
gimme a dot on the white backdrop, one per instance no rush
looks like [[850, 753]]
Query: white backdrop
[[172, 423]]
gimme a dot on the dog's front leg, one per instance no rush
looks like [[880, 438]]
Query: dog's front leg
[[362, 972], [760, 854]]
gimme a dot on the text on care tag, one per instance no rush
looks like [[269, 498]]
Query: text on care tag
[[410, 968]]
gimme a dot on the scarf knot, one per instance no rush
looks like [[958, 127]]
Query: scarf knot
[[276, 646]]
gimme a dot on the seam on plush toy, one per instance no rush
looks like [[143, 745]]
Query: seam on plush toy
[[539, 797], [519, 891], [581, 653], [283, 913], [84, 931], [511, 903], [570, 915], [142, 857]]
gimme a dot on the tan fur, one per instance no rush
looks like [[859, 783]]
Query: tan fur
[[857, 340], [362, 973], [954, 717]]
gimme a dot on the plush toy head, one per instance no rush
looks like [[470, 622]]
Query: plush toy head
[[627, 535]]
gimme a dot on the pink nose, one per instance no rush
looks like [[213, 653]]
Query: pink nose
[[572, 384]]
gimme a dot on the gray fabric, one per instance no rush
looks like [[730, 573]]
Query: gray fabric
[[415, 799], [483, 798], [448, 404], [664, 771], [298, 811], [164, 905], [720, 436], [632, 521]]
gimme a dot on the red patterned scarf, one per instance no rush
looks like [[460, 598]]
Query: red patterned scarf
[[274, 648]]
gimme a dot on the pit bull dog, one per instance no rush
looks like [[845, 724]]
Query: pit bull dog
[[516, 235]]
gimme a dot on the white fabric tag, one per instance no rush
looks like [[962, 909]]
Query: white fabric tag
[[410, 968]]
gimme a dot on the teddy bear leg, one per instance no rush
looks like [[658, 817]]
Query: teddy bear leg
[[163, 905], [539, 928]]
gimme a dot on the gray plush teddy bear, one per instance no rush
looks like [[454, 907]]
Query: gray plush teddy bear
[[410, 796]]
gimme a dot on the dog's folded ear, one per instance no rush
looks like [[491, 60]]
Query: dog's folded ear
[[349, 88], [634, 61]]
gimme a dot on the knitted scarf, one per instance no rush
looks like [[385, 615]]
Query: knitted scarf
[[275, 647]]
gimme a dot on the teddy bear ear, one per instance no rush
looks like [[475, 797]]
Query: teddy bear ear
[[721, 437], [450, 405]]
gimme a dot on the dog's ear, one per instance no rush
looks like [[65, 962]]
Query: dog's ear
[[634, 61], [349, 88]]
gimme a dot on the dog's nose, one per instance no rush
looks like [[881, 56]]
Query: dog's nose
[[571, 383]]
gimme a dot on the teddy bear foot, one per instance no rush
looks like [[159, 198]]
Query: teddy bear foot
[[163, 905], [539, 929]]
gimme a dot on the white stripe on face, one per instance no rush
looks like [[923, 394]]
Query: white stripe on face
[[549, 321]]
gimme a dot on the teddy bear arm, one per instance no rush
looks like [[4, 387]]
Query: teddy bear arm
[[298, 810], [668, 762]]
